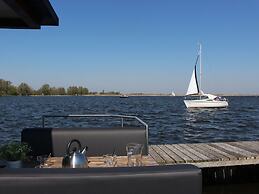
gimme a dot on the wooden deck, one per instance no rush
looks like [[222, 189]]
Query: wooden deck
[[206, 155], [99, 161]]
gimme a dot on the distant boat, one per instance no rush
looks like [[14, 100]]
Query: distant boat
[[124, 96], [195, 98], [172, 94]]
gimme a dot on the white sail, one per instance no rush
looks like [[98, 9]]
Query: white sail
[[207, 100], [193, 85]]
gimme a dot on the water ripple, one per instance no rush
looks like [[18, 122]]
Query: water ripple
[[169, 121]]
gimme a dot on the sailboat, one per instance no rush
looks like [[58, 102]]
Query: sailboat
[[124, 96], [172, 94], [195, 98]]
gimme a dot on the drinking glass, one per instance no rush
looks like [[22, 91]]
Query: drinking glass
[[110, 160], [42, 160], [134, 153]]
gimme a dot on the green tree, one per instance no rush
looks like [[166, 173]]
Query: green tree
[[45, 89], [61, 91], [4, 86], [24, 89], [82, 90], [53, 91], [36, 92], [12, 90], [72, 90]]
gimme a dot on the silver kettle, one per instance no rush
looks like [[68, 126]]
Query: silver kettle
[[75, 158]]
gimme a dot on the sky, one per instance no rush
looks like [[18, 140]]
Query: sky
[[145, 46]]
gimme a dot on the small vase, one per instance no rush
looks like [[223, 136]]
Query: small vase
[[14, 164]]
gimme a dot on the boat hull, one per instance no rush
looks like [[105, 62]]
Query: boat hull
[[205, 103]]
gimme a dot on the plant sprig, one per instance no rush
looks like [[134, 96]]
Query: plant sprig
[[14, 151]]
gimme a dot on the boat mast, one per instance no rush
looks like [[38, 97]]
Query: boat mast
[[200, 64]]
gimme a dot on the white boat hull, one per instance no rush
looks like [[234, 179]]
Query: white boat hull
[[205, 103], [195, 98]]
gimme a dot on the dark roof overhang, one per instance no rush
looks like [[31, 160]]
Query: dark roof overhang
[[27, 14]]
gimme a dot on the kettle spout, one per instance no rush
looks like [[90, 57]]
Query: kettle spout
[[84, 150]]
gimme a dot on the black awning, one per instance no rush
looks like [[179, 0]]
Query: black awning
[[27, 14]]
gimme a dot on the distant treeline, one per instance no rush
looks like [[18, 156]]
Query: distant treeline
[[8, 89]]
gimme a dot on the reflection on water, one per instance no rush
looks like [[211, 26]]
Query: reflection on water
[[203, 121], [248, 188]]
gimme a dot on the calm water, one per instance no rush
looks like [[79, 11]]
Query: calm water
[[167, 117]]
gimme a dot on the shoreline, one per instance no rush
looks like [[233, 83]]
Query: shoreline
[[140, 95]]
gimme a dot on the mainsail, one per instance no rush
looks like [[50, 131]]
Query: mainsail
[[209, 100], [193, 85]]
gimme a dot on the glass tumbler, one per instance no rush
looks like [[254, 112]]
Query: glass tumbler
[[110, 160], [134, 153]]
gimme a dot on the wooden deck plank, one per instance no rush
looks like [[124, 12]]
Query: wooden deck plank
[[240, 153], [220, 155], [212, 164], [175, 157], [163, 154], [253, 145], [254, 142], [236, 155], [179, 153], [226, 155], [197, 152], [206, 155], [238, 150], [187, 152], [210, 154], [245, 147], [156, 156], [94, 162]]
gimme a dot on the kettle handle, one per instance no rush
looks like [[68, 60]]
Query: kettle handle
[[70, 143]]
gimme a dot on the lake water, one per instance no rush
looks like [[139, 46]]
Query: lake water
[[168, 119]]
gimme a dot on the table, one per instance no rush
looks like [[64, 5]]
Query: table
[[98, 161]]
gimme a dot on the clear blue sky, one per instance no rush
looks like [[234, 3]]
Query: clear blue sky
[[139, 46]]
